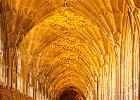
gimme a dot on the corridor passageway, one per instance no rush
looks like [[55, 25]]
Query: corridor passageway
[[69, 49]]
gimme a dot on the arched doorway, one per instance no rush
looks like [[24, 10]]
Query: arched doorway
[[71, 94]]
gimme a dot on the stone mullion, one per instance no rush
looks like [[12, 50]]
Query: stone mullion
[[137, 21], [6, 56], [114, 84], [123, 53], [111, 81], [136, 71], [9, 69], [129, 77], [111, 77], [114, 77], [102, 85], [118, 76], [24, 86], [123, 56], [107, 84], [117, 58], [133, 68], [105, 87], [2, 64], [11, 57], [35, 94], [117, 83], [136, 58], [108, 88], [27, 89], [99, 88], [121, 67], [125, 67], [126, 77]]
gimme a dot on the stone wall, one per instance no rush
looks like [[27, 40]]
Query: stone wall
[[6, 93]]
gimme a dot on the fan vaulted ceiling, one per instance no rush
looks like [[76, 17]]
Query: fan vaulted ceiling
[[67, 42]]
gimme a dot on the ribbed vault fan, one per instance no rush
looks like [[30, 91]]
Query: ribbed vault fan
[[68, 43]]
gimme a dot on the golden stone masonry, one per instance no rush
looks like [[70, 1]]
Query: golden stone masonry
[[69, 49]]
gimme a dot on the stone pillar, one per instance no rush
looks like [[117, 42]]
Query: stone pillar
[[10, 76]]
